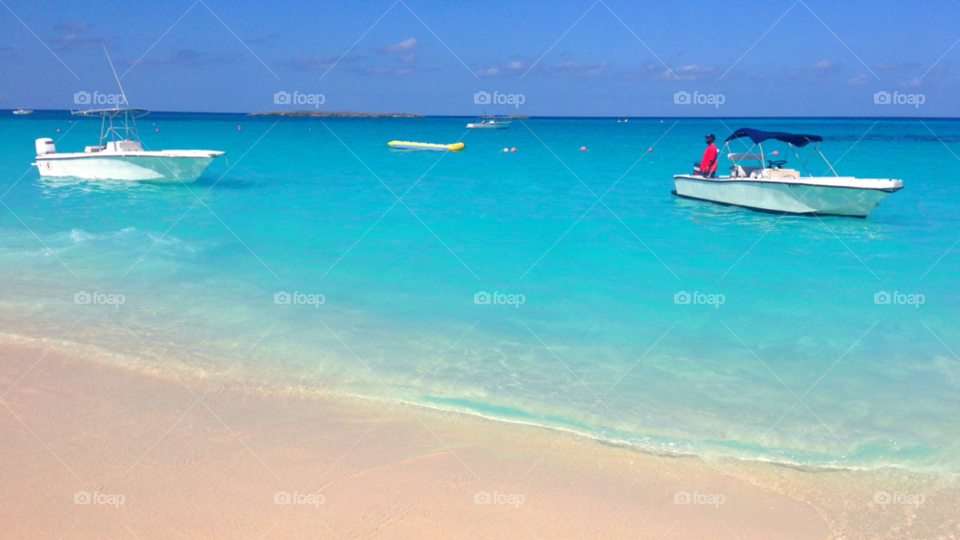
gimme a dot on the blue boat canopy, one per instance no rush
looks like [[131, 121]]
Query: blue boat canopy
[[758, 137]]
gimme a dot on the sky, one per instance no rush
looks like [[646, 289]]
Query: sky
[[565, 58]]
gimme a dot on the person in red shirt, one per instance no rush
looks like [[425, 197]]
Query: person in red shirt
[[708, 165]]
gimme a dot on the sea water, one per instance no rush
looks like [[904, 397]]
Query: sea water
[[312, 255]]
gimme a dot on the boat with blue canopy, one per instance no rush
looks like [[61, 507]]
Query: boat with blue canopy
[[763, 184]]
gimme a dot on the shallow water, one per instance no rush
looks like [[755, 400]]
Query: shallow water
[[798, 364]]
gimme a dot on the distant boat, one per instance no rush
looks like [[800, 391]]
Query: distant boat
[[490, 122], [22, 111], [773, 188]]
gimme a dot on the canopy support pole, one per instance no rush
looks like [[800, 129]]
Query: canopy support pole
[[802, 162], [817, 148]]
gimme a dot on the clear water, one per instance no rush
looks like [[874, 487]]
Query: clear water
[[599, 344]]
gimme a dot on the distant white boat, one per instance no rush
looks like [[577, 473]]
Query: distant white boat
[[120, 156], [773, 188], [22, 111], [490, 122]]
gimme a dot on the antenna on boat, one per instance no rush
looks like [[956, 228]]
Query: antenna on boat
[[127, 103]]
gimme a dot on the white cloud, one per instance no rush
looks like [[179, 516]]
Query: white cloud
[[859, 80], [403, 46], [823, 66]]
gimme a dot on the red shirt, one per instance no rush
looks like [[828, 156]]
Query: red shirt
[[709, 161]]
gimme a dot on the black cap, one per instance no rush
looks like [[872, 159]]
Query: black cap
[[711, 137]]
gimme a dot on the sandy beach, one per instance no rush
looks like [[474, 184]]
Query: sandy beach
[[157, 461]]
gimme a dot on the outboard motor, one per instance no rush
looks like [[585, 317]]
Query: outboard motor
[[45, 146]]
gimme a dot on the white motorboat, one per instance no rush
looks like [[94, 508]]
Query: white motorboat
[[773, 188], [490, 122], [120, 155], [22, 111]]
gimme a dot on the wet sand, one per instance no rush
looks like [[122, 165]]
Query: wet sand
[[160, 462]]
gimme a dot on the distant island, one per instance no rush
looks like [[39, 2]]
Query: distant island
[[352, 114], [337, 113]]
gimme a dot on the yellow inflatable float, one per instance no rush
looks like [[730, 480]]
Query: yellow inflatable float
[[408, 145]]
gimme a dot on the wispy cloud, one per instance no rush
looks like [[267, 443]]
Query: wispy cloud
[[318, 63], [818, 72], [859, 80], [401, 47], [410, 57], [510, 68], [575, 69], [823, 67], [658, 72]]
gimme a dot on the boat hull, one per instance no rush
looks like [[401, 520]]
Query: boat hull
[[783, 197], [126, 167], [488, 126]]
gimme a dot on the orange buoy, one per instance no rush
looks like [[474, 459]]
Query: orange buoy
[[513, 149], [582, 148], [649, 149], [58, 131], [157, 130]]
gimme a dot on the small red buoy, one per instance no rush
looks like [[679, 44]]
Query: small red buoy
[[157, 130], [582, 148], [238, 128], [58, 131], [513, 149], [775, 152], [649, 149]]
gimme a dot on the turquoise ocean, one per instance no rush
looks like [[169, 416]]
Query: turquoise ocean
[[799, 364]]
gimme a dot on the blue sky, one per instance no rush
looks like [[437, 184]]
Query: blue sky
[[568, 58]]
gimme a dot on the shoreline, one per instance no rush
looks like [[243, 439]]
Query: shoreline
[[252, 382], [573, 485]]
